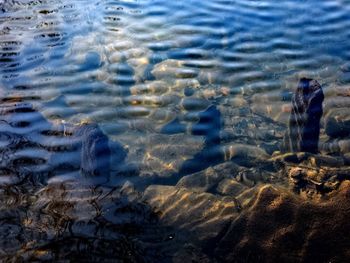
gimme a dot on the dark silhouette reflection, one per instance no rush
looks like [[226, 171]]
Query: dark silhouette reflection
[[34, 148], [174, 127], [209, 126], [95, 151], [304, 122], [67, 219]]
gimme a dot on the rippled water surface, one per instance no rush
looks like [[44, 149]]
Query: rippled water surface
[[137, 130]]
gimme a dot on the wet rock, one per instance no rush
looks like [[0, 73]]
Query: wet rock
[[281, 227], [312, 175], [315, 160], [344, 78], [330, 147], [347, 159], [337, 123], [307, 180], [314, 179], [344, 146], [95, 151], [188, 91], [304, 122], [195, 104], [325, 160], [338, 98]]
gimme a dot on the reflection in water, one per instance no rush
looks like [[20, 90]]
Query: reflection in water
[[163, 131], [95, 151], [76, 222], [36, 149], [209, 126]]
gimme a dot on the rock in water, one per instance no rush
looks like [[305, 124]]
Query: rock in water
[[337, 123], [304, 122], [95, 151]]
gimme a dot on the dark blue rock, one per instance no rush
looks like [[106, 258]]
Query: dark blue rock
[[304, 122], [188, 91], [337, 123]]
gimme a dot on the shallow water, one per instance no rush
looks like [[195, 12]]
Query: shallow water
[[164, 90]]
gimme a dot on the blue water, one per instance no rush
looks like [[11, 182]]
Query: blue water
[[162, 90]]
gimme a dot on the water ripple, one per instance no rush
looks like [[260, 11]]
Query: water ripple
[[169, 87]]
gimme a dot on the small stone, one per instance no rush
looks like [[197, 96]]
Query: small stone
[[289, 158], [337, 123], [324, 160]]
